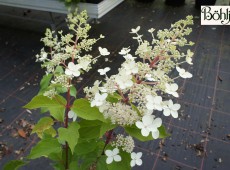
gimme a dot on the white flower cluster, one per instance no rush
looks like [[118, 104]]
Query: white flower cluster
[[69, 51], [134, 93], [125, 143], [119, 113]]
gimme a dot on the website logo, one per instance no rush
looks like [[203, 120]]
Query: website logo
[[215, 15]]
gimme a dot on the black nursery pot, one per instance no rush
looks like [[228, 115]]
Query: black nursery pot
[[175, 2], [204, 2], [93, 1]]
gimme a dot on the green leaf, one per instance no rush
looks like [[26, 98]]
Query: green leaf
[[90, 129], [113, 98], [43, 101], [14, 165], [44, 84], [51, 131], [106, 127], [60, 89], [83, 109], [74, 165], [163, 132], [59, 70], [124, 164], [136, 109], [70, 135], [89, 159], [73, 91], [85, 147], [135, 132], [57, 113], [46, 146], [101, 163], [42, 125]]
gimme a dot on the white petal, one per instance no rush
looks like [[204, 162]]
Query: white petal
[[158, 107], [175, 94], [75, 118], [109, 160], [170, 103], [166, 112], [133, 155], [149, 105], [71, 114], [139, 162], [133, 163], [145, 132], [93, 103], [139, 155], [157, 122], [117, 158], [155, 134], [174, 114], [179, 69], [108, 153], [71, 65], [147, 120], [175, 107], [167, 86], [152, 127], [158, 99], [174, 87], [149, 98], [103, 96], [115, 151], [139, 124], [106, 69], [76, 73], [68, 72]]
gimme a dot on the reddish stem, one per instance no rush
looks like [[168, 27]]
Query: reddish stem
[[109, 136], [156, 59], [66, 126]]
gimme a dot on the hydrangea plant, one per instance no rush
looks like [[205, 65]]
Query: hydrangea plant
[[128, 100]]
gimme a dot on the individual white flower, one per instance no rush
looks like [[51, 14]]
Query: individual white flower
[[103, 71], [183, 73], [154, 102], [171, 108], [43, 56], [73, 69], [99, 99], [130, 67], [138, 37], [124, 51], [129, 57], [151, 30], [171, 89], [149, 77], [149, 124], [136, 159], [189, 60], [123, 80], [72, 115], [84, 64], [112, 155], [135, 30], [102, 36], [103, 51]]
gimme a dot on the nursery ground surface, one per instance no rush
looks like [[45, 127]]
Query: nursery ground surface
[[200, 137]]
